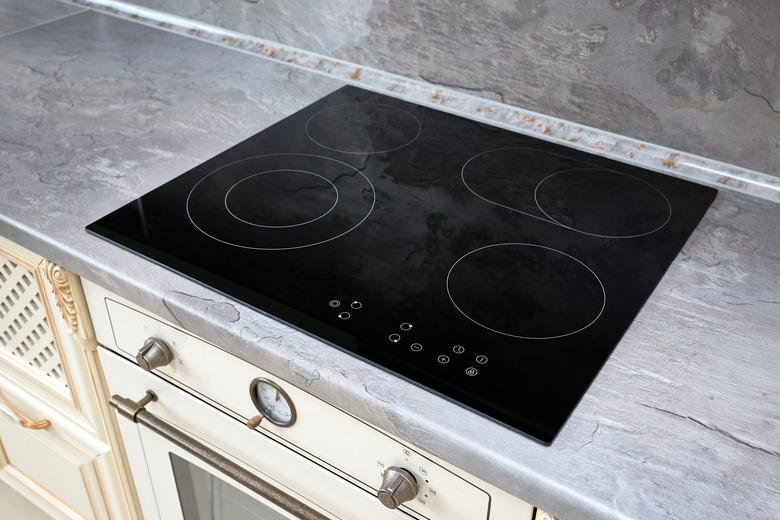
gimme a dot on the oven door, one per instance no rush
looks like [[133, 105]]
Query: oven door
[[194, 490], [191, 461]]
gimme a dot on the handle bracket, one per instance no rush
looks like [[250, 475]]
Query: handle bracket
[[128, 408]]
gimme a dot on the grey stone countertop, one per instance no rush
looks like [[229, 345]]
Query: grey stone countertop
[[16, 16], [682, 422]]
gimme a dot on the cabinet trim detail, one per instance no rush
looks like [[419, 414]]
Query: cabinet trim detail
[[63, 295]]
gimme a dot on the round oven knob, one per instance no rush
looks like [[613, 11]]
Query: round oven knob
[[398, 486], [155, 353]]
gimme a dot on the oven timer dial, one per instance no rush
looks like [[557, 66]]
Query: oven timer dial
[[272, 402], [398, 486]]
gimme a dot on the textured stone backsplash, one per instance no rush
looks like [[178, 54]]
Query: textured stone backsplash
[[702, 76]]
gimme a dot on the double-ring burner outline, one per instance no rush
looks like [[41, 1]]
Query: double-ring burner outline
[[346, 217], [552, 220]]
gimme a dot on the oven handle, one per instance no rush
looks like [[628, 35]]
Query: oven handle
[[135, 411]]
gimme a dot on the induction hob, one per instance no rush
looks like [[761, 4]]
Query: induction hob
[[495, 269]]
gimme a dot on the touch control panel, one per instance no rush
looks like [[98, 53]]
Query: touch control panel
[[456, 358], [344, 311], [405, 340]]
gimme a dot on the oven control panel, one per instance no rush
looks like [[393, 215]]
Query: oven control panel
[[348, 446]]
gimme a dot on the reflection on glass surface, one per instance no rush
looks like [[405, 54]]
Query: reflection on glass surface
[[203, 496]]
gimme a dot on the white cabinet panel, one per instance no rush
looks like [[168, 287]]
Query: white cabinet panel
[[48, 357], [47, 462]]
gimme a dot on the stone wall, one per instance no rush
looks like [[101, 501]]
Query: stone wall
[[699, 75]]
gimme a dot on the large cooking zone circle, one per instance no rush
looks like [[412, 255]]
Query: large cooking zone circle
[[363, 128], [280, 201], [526, 291], [599, 202]]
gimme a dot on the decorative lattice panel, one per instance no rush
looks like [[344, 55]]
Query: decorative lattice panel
[[25, 333]]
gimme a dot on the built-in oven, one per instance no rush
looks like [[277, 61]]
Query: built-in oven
[[190, 461], [208, 436]]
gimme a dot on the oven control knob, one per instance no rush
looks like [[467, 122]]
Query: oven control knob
[[155, 353], [398, 486]]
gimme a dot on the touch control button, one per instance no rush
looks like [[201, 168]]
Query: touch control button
[[334, 303], [395, 338], [459, 349], [344, 315], [406, 326], [416, 347], [471, 371], [482, 359], [356, 305], [443, 359]]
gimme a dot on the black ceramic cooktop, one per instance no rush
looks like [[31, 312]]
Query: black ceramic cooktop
[[495, 269]]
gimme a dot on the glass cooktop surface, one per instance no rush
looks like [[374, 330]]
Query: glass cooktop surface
[[495, 269]]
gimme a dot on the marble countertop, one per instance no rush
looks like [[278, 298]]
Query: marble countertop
[[683, 420]]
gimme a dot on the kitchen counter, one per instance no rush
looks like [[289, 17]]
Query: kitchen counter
[[683, 420]]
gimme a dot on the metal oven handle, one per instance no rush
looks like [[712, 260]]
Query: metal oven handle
[[135, 411]]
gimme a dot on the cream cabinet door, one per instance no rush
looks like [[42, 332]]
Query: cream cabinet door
[[43, 462], [48, 357]]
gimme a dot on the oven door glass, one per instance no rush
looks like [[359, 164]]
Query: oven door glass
[[187, 488], [204, 496]]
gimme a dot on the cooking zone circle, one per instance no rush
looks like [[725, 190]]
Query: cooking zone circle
[[265, 196], [602, 203], [526, 291], [363, 128], [593, 201], [280, 201]]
